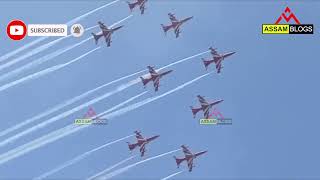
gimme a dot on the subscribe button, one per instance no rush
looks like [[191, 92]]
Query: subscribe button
[[47, 30]]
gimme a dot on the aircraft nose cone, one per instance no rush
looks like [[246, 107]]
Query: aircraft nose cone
[[218, 101], [231, 53]]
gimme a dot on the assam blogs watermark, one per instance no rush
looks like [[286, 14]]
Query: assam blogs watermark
[[216, 118]]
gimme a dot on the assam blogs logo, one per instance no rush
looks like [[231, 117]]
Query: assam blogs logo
[[287, 17], [216, 118], [90, 118]]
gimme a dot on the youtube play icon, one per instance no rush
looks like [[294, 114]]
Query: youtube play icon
[[16, 30]]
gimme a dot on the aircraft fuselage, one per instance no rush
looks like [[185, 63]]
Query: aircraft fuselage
[[146, 140], [222, 57], [159, 75], [176, 24]]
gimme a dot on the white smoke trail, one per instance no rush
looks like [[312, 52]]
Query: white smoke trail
[[147, 101], [38, 61], [124, 169], [26, 46], [182, 60], [66, 131], [32, 43], [90, 12], [43, 72], [47, 57], [35, 51], [71, 101], [53, 136], [60, 133], [111, 167], [65, 114], [178, 62], [171, 175], [62, 105], [79, 158], [137, 105]]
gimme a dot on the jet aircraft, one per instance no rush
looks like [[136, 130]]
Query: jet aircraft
[[155, 77], [205, 107], [141, 142], [189, 157], [106, 33], [217, 59], [140, 3], [175, 24]]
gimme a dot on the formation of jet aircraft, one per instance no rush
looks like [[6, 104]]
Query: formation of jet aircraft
[[216, 58], [141, 142], [175, 24], [155, 77], [106, 33], [140, 3], [189, 157], [205, 107]]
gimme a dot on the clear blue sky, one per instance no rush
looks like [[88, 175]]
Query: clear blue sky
[[270, 87]]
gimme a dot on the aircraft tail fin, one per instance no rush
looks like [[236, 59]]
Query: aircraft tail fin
[[131, 5], [165, 28], [178, 161], [194, 111], [96, 37], [144, 81], [206, 63], [131, 146]]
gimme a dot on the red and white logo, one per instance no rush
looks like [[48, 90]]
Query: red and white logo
[[16, 30], [287, 15]]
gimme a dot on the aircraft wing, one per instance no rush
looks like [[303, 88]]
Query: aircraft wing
[[142, 7], [139, 136], [186, 151], [177, 31], [102, 26], [172, 18], [214, 52], [108, 40], [156, 83], [190, 164], [218, 66], [143, 149], [206, 113], [202, 101], [152, 71]]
